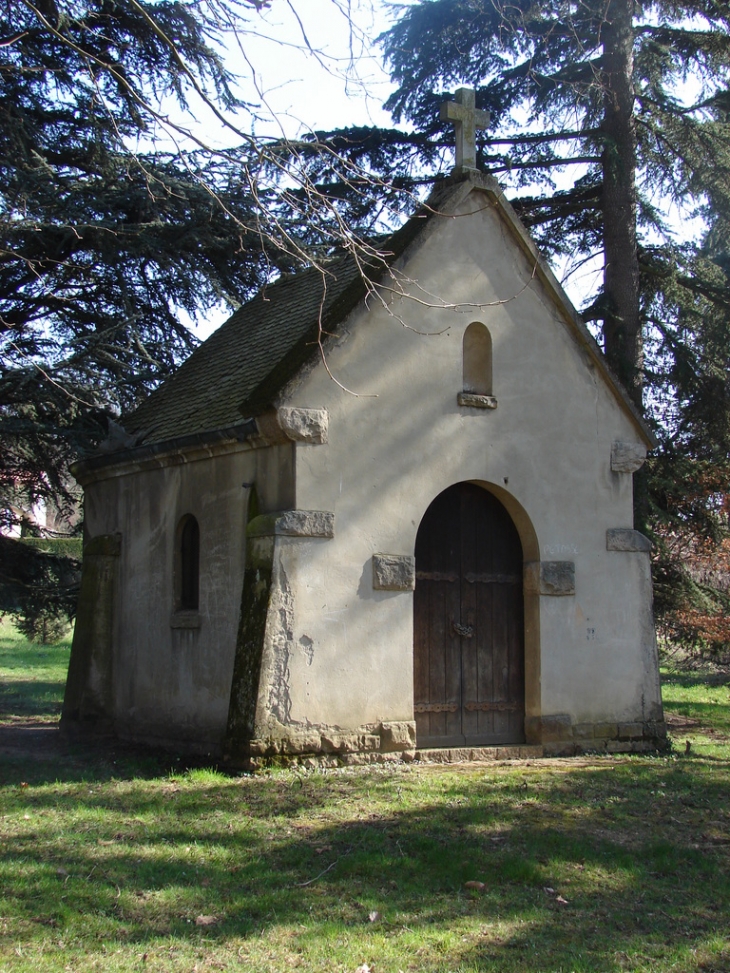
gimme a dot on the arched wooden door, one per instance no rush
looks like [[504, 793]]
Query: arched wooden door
[[469, 657]]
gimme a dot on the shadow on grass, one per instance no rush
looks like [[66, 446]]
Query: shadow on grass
[[625, 847], [32, 678], [36, 755], [691, 680], [31, 698], [695, 697], [26, 656]]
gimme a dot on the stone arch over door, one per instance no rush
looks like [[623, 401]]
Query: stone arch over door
[[469, 622]]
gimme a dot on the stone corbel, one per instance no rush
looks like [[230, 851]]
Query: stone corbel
[[550, 577], [472, 400], [624, 539], [394, 572], [627, 457], [293, 523], [288, 424]]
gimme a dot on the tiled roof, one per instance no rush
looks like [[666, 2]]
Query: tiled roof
[[238, 371], [210, 388]]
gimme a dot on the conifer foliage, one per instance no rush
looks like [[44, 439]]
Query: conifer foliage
[[117, 219], [104, 236]]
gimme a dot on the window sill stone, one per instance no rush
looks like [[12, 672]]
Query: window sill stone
[[185, 619], [472, 400]]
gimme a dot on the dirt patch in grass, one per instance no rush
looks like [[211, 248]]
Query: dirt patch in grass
[[31, 739]]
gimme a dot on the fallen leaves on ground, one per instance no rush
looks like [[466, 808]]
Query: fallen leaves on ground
[[206, 920]]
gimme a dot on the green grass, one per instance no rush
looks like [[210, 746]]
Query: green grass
[[698, 708], [32, 676], [609, 864]]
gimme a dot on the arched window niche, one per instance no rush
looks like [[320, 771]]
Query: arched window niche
[[477, 368], [187, 573]]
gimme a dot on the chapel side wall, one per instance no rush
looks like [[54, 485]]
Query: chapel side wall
[[404, 439], [172, 671]]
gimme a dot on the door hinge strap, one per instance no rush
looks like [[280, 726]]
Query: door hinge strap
[[501, 707], [436, 707], [483, 578], [437, 576]]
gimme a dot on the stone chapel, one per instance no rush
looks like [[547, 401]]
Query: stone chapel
[[382, 519]]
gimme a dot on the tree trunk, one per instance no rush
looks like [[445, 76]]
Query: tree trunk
[[622, 327], [622, 324]]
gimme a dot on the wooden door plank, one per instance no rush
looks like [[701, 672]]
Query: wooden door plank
[[469, 511], [468, 622]]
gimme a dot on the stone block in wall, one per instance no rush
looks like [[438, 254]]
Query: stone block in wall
[[435, 756], [338, 742], [508, 753], [625, 539], [304, 740], [397, 736], [304, 425], [473, 400], [583, 731], [530, 752], [618, 746], [605, 731], [655, 729], [394, 572], [561, 748], [293, 523], [185, 619], [289, 424], [630, 731], [627, 457], [548, 729], [360, 759], [550, 577], [643, 746]]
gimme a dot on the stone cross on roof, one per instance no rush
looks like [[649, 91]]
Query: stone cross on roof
[[467, 119]]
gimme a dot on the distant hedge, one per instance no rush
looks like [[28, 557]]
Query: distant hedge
[[63, 546], [39, 584]]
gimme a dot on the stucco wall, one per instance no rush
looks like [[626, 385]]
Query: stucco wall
[[171, 683], [346, 649]]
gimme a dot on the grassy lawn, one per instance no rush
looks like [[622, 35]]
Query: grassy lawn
[[32, 677], [616, 864]]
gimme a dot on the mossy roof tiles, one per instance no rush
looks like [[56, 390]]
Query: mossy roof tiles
[[212, 386], [238, 371]]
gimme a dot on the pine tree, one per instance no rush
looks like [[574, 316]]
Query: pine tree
[[117, 222], [102, 245]]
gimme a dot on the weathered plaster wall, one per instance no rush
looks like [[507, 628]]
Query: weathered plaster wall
[[345, 649], [172, 671]]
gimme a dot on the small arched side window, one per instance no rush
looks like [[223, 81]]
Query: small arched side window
[[477, 352], [187, 564], [477, 369]]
